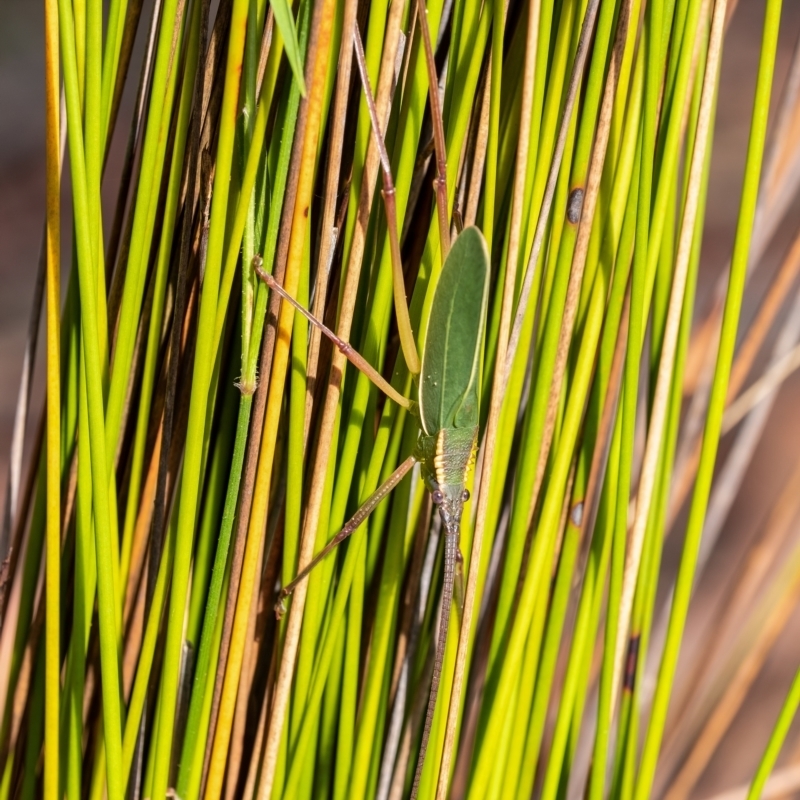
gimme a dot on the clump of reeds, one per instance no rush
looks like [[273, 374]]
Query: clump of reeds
[[201, 441]]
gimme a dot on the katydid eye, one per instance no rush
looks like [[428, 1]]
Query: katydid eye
[[465, 495], [437, 497]]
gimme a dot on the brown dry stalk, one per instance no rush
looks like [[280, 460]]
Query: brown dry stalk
[[183, 315], [262, 640], [508, 337], [597, 471], [141, 532], [11, 511], [8, 561], [329, 236], [785, 146], [255, 762], [15, 507], [245, 686], [479, 156], [119, 239], [440, 181], [258, 413], [766, 386], [263, 430], [260, 400], [589, 205], [783, 783], [779, 185], [575, 80], [309, 128], [132, 16]]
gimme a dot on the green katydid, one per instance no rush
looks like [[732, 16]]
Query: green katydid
[[447, 405]]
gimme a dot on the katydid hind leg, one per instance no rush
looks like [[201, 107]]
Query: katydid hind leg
[[350, 527], [440, 179], [450, 558], [407, 341], [352, 355]]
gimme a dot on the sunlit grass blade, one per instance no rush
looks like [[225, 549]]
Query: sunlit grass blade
[[53, 294], [286, 26]]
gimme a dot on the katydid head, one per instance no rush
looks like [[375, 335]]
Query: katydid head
[[446, 460], [450, 499]]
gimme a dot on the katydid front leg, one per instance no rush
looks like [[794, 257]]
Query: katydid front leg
[[407, 343], [347, 350], [369, 505]]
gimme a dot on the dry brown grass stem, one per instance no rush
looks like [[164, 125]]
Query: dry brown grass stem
[[479, 156], [329, 234], [15, 507], [779, 186], [12, 495], [8, 561], [760, 390], [259, 432], [245, 685], [783, 783], [440, 181], [575, 80], [600, 453]]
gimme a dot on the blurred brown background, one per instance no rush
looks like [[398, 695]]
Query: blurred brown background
[[21, 216]]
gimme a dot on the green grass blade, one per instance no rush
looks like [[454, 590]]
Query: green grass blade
[[286, 26]]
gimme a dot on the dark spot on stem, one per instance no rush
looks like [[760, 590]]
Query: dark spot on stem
[[629, 679], [575, 206]]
